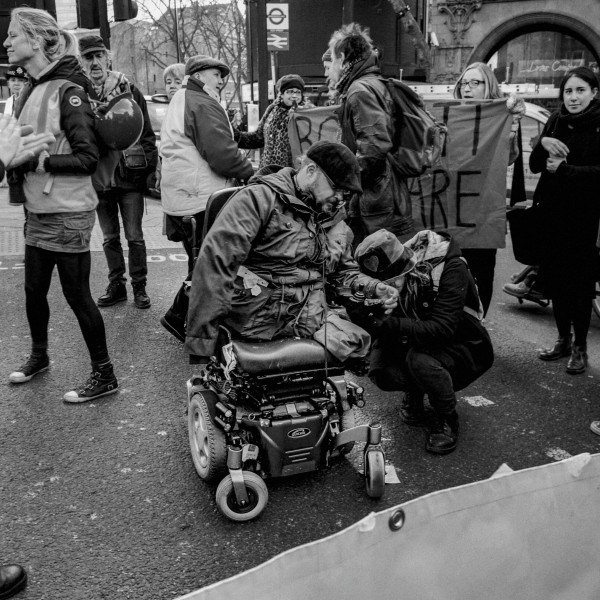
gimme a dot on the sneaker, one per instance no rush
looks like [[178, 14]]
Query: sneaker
[[442, 435], [174, 326], [595, 427], [518, 290], [101, 382], [36, 363], [115, 292], [140, 297]]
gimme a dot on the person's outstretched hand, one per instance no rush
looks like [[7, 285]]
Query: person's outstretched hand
[[16, 150]]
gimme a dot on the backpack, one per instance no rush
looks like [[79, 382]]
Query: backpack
[[418, 138]]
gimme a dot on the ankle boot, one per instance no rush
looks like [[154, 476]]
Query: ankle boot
[[412, 410], [578, 362], [561, 349], [442, 434]]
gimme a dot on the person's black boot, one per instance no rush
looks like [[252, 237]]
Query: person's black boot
[[115, 292], [412, 411], [442, 434], [561, 349], [36, 363], [101, 382], [174, 325], [13, 579], [579, 359], [140, 298]]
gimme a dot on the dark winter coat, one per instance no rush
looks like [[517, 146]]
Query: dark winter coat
[[569, 204], [367, 125], [443, 329], [267, 228]]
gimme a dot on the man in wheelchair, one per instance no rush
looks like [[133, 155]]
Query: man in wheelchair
[[264, 262]]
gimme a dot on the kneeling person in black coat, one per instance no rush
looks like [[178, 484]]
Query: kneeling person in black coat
[[434, 343]]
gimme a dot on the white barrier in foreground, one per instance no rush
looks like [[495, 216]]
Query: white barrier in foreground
[[526, 535]]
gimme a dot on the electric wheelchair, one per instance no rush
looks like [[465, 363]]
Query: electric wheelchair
[[272, 409]]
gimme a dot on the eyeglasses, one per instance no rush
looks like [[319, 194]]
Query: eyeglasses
[[294, 92], [472, 83], [337, 190]]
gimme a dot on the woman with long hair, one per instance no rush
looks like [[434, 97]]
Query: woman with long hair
[[59, 197], [478, 82], [567, 155]]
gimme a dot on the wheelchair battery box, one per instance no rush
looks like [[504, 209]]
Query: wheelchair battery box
[[290, 445]]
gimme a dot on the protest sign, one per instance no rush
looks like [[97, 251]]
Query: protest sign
[[466, 193]]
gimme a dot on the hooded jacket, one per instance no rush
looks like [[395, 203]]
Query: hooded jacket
[[368, 129], [199, 154], [73, 158], [289, 253], [445, 324]]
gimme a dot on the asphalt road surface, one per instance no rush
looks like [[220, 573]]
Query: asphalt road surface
[[100, 500]]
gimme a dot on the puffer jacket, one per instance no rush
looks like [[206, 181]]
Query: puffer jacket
[[198, 152], [365, 115], [266, 228]]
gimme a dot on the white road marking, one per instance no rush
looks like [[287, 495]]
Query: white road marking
[[478, 401], [557, 454]]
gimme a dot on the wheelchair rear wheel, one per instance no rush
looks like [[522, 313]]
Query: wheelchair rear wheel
[[207, 443], [374, 473], [258, 495]]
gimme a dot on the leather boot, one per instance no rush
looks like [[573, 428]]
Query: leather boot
[[578, 362], [13, 579], [442, 434], [561, 349], [412, 411]]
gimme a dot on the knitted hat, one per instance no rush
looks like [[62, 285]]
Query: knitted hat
[[91, 43], [383, 256], [339, 164], [288, 82], [18, 72], [203, 61]]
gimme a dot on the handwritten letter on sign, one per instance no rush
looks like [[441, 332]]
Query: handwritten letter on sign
[[466, 193]]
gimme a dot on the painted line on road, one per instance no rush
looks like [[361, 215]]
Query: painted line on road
[[478, 401], [151, 258]]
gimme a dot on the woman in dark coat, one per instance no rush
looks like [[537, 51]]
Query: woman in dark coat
[[568, 157]]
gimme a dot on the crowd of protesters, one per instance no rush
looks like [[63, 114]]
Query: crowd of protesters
[[342, 214]]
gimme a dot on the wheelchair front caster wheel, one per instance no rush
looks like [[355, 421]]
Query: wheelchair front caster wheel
[[374, 473], [258, 496]]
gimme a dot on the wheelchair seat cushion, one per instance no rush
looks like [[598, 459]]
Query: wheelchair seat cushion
[[281, 356]]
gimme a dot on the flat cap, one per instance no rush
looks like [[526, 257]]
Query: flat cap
[[91, 43], [203, 61]]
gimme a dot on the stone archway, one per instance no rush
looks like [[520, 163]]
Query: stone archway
[[534, 22]]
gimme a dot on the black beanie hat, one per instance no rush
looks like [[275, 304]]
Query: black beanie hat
[[288, 82], [338, 162]]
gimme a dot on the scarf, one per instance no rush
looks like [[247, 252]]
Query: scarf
[[430, 249], [115, 84]]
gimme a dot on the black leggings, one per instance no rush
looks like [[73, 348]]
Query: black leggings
[[571, 309], [74, 273]]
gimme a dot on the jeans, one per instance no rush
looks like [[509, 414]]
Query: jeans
[[131, 205], [420, 372], [482, 264], [74, 274]]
